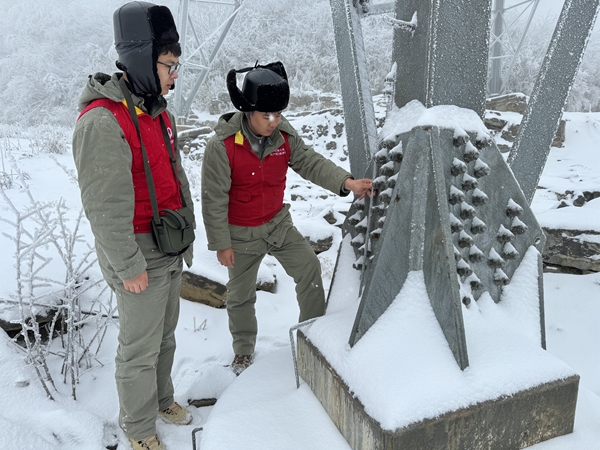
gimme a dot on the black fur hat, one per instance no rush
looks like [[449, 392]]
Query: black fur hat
[[140, 27], [265, 88]]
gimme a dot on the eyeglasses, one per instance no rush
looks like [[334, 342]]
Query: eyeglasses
[[172, 69]]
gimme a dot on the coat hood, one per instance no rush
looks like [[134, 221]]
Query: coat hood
[[141, 27], [101, 85]]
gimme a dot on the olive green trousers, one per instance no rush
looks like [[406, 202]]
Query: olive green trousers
[[294, 253], [147, 323]]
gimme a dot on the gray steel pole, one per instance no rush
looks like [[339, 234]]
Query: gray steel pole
[[557, 74], [359, 113], [445, 60]]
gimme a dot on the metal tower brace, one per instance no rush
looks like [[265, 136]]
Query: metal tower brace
[[498, 50], [359, 113], [445, 60], [455, 212], [559, 68], [200, 70]]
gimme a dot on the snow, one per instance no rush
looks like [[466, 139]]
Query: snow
[[262, 409], [413, 114]]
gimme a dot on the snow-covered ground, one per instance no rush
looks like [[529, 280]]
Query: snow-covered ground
[[262, 409]]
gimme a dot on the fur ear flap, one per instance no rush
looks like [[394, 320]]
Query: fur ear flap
[[235, 94], [164, 30]]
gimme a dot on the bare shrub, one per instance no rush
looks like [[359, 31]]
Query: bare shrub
[[39, 229]]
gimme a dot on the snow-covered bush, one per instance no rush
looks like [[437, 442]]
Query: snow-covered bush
[[59, 290]]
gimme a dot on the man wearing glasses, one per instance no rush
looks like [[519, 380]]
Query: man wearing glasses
[[117, 201]]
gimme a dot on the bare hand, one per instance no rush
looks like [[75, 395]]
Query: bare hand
[[360, 187], [137, 284], [226, 257]]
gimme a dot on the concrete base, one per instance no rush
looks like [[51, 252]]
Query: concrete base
[[505, 423]]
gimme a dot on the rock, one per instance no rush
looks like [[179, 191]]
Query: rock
[[330, 218], [495, 123], [202, 402], [516, 102], [571, 248], [193, 132], [589, 196], [321, 245], [570, 198], [43, 318], [559, 138], [579, 200], [267, 286], [504, 148], [197, 288], [510, 133]]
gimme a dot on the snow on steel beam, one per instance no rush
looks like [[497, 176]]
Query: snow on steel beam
[[445, 60], [559, 68]]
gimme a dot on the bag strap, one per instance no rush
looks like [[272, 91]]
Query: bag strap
[[172, 156], [149, 179], [147, 170]]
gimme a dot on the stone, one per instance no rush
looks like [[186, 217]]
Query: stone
[[320, 245], [515, 102], [197, 288], [495, 123], [43, 319], [572, 248], [579, 200], [267, 286], [193, 132], [590, 195], [330, 218], [560, 136], [202, 402], [510, 133], [509, 422]]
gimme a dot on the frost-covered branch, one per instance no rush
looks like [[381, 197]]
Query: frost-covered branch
[[37, 229]]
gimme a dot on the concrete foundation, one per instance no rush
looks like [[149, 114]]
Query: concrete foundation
[[509, 422]]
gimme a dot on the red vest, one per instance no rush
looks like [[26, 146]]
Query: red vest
[[257, 187], [166, 184]]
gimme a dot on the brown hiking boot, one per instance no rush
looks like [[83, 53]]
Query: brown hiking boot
[[176, 415], [149, 443], [240, 363]]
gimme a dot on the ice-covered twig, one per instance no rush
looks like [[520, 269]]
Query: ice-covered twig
[[402, 24]]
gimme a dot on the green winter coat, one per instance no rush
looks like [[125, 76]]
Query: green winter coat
[[216, 179], [103, 160]]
